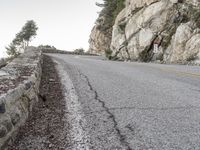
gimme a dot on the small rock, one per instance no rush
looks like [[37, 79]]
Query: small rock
[[28, 85], [51, 80], [15, 117], [3, 73], [2, 108], [7, 123], [51, 136], [50, 145], [3, 131]]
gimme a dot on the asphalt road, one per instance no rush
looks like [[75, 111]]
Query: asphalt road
[[127, 105]]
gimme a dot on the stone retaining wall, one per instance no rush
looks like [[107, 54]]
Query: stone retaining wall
[[19, 88]]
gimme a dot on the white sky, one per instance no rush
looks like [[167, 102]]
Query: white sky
[[65, 24]]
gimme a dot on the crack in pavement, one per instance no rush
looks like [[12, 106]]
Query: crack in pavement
[[122, 137]]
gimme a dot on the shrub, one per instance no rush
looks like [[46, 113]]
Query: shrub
[[108, 54], [47, 47], [79, 51]]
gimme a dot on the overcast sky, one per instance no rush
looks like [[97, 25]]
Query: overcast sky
[[65, 24]]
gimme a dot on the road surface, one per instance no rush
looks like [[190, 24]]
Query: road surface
[[126, 105]]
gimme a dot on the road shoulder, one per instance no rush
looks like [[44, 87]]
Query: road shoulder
[[44, 128]]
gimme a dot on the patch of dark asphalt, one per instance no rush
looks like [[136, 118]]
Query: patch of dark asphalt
[[44, 128]]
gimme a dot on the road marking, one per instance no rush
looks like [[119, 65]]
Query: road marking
[[180, 72], [171, 70], [74, 116]]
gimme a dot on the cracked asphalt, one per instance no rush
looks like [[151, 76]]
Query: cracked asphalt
[[126, 105]]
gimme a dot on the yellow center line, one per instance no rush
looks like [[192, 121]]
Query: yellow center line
[[180, 72], [173, 71]]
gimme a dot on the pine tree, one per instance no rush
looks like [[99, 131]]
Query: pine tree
[[12, 50], [23, 38], [28, 32]]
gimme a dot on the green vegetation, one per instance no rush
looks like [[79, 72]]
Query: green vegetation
[[108, 54], [107, 16], [22, 39], [170, 31], [79, 51], [144, 56], [47, 47], [111, 9], [186, 14], [11, 50], [119, 6]]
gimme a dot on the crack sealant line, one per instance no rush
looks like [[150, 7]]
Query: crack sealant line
[[79, 137], [122, 137]]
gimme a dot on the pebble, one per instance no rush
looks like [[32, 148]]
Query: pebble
[[50, 145]]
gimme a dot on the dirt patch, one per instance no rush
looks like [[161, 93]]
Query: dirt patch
[[45, 127]]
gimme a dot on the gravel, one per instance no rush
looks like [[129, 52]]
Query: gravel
[[45, 127]]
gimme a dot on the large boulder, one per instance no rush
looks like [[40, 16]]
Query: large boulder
[[181, 48], [151, 30], [175, 22], [99, 41]]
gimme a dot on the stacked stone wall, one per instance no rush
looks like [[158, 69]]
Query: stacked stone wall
[[19, 89]]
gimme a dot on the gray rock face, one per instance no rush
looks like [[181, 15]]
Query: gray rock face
[[164, 30], [174, 23], [99, 40], [2, 63]]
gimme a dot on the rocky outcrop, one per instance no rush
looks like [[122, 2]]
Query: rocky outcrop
[[157, 30], [99, 41], [101, 35], [2, 63], [174, 24], [19, 88]]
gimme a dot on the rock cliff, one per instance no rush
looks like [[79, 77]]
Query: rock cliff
[[101, 35], [157, 30], [99, 41]]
